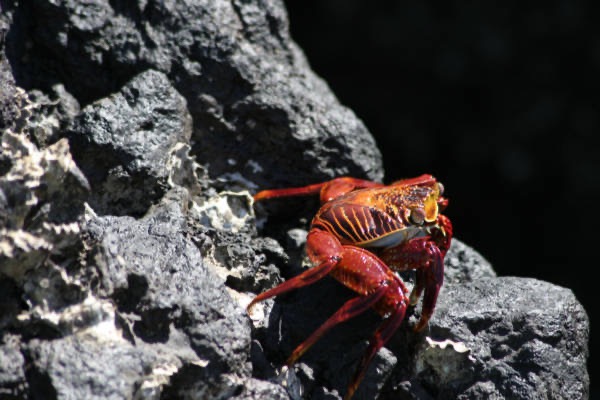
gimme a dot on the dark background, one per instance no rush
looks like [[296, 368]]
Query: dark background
[[499, 101]]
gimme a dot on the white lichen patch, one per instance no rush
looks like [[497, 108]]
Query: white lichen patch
[[35, 177], [458, 347], [60, 235], [227, 211], [241, 298], [61, 229], [33, 171], [152, 384], [92, 318], [21, 251], [183, 168], [257, 313], [88, 213], [15, 242], [449, 360]]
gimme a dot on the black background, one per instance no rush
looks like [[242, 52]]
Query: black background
[[500, 101]]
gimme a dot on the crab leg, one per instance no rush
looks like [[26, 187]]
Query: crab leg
[[380, 337], [426, 257], [328, 190], [324, 250], [350, 309], [363, 272], [367, 275], [425, 178], [434, 278], [306, 278]]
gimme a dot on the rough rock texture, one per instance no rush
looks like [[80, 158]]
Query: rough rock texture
[[123, 142], [246, 83], [41, 194], [132, 136], [515, 339]]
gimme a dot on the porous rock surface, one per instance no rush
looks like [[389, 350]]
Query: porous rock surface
[[132, 135]]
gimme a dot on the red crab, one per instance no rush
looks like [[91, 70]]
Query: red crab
[[363, 232]]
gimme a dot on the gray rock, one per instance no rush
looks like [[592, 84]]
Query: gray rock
[[464, 264], [528, 338], [11, 97], [11, 302], [40, 116], [123, 143], [13, 383], [256, 389], [157, 278], [142, 292], [248, 87], [41, 199], [50, 114], [76, 368]]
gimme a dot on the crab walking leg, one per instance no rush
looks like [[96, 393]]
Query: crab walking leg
[[324, 250], [328, 190], [366, 274], [426, 256], [382, 335], [288, 192], [363, 272], [421, 278], [304, 279], [434, 278], [350, 309], [423, 255]]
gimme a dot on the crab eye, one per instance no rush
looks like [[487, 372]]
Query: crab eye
[[440, 188], [417, 216]]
